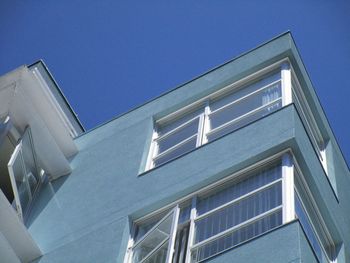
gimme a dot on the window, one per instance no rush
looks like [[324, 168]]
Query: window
[[237, 213], [215, 117], [309, 121], [234, 210], [24, 175], [311, 221]]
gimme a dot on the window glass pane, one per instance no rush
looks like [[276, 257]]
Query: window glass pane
[[238, 212], [238, 189], [178, 136], [173, 123], [29, 161], [186, 147], [246, 105], [236, 94], [153, 239], [238, 236], [185, 214], [159, 256], [308, 229], [244, 121], [141, 230], [19, 174]]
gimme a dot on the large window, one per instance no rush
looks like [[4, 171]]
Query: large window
[[309, 121], [311, 221], [230, 109], [235, 210], [214, 117]]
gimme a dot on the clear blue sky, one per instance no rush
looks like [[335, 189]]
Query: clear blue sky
[[110, 56]]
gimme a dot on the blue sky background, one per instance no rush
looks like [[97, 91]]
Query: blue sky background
[[110, 56]]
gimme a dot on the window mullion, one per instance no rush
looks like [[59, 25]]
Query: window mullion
[[286, 78], [153, 150], [191, 233], [171, 245], [206, 123], [288, 213]]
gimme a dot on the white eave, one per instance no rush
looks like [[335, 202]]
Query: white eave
[[27, 100]]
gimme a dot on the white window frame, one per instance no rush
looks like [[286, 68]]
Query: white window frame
[[287, 206], [289, 166], [310, 199], [171, 239], [18, 150], [309, 121], [204, 123]]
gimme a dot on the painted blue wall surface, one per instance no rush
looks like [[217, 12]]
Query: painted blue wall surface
[[85, 216]]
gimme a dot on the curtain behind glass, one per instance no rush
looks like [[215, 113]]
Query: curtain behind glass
[[239, 212], [236, 190]]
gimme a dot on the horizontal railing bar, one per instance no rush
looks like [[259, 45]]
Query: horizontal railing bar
[[172, 148], [236, 227], [242, 117], [245, 97], [176, 129]]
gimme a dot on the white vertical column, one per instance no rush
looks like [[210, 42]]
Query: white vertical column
[[152, 151], [206, 123], [288, 188], [286, 81], [192, 228]]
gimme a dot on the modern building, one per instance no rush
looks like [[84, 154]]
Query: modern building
[[237, 165]]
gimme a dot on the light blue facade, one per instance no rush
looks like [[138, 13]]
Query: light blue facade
[[87, 215]]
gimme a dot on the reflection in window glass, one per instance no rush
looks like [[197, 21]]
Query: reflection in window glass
[[153, 240], [178, 136], [184, 148], [308, 229]]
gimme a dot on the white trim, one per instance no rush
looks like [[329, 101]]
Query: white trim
[[191, 231], [206, 126], [286, 80], [50, 97], [200, 130], [287, 188], [152, 151], [204, 118], [172, 237], [10, 164]]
